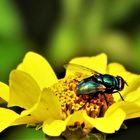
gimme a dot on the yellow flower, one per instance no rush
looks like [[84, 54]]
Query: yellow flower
[[53, 102]]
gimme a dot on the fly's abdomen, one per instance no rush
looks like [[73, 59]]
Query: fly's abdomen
[[88, 87]]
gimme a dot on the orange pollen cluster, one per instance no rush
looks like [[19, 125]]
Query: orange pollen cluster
[[65, 90]]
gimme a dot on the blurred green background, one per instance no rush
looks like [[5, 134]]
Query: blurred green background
[[63, 29]]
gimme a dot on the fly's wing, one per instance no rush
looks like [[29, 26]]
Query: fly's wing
[[75, 68], [89, 86]]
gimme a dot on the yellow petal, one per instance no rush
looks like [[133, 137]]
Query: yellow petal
[[97, 63], [7, 117], [24, 91], [20, 67], [132, 80], [133, 96], [49, 107], [131, 110], [25, 120], [10, 118], [55, 128], [115, 68], [76, 117], [39, 69], [133, 83], [4, 91], [104, 124]]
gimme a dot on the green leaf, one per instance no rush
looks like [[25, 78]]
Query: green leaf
[[22, 133], [124, 126]]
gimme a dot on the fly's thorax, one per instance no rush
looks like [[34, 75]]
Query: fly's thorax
[[108, 80], [66, 92]]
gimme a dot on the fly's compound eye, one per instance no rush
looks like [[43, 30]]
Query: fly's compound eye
[[121, 83]]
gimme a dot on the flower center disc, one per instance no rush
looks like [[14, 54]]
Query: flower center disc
[[65, 90]]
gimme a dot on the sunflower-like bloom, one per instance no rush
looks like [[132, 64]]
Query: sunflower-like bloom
[[54, 104]]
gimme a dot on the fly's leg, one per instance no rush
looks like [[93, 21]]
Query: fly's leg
[[119, 94], [105, 99]]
